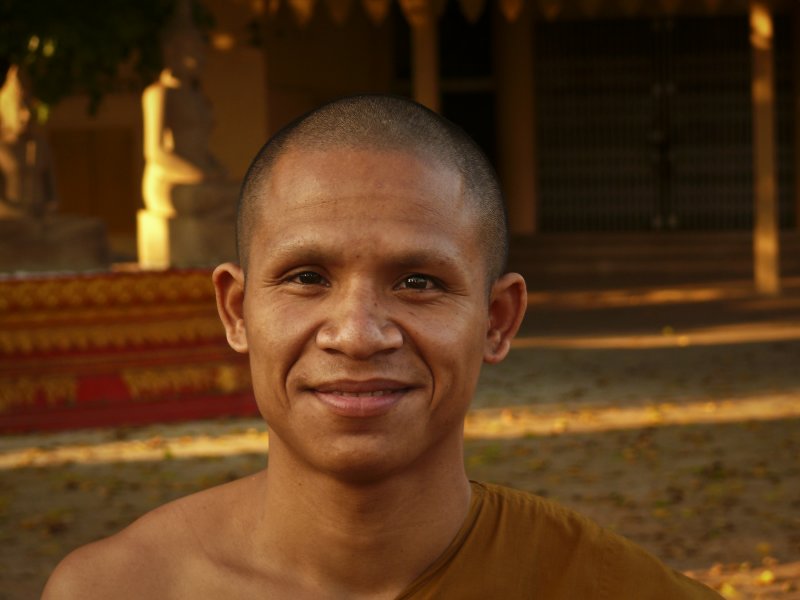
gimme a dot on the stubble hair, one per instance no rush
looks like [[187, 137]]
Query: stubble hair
[[384, 123]]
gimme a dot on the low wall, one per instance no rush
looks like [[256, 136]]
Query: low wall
[[115, 349]]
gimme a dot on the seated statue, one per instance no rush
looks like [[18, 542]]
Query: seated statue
[[28, 187], [188, 198], [33, 237]]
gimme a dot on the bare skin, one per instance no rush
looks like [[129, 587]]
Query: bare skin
[[366, 319]]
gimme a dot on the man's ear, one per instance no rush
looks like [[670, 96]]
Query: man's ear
[[507, 303], [228, 281]]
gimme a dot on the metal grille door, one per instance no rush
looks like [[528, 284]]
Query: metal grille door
[[595, 110], [711, 138], [646, 124]]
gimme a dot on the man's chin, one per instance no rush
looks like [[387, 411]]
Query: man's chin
[[361, 473], [362, 459]]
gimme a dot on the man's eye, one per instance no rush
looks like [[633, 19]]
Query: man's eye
[[307, 278], [417, 282]]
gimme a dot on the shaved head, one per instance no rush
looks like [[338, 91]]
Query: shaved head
[[388, 124]]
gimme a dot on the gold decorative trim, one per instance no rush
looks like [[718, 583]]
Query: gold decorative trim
[[149, 382], [157, 334], [24, 391], [143, 384], [107, 311], [115, 335], [106, 290]]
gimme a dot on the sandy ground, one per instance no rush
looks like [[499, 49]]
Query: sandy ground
[[670, 416]]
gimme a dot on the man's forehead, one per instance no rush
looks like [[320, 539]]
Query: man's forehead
[[374, 196], [316, 178], [351, 154]]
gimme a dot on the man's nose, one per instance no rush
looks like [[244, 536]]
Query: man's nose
[[358, 324]]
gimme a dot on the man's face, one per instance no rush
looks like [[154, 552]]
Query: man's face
[[365, 309]]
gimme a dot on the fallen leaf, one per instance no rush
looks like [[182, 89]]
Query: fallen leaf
[[766, 577], [728, 591]]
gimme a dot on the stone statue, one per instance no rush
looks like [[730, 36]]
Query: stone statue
[[189, 200], [26, 170], [33, 237]]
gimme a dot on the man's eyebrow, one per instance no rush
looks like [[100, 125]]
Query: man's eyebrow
[[424, 258], [299, 252], [303, 252]]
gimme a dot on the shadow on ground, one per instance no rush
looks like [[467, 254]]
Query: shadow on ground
[[695, 495], [670, 416]]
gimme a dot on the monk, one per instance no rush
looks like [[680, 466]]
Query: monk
[[370, 288]]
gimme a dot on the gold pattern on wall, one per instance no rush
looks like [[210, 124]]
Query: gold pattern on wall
[[25, 341], [144, 383], [23, 391], [92, 348], [94, 316], [233, 378], [110, 290], [106, 312]]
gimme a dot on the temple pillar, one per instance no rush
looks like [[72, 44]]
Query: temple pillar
[[425, 63], [766, 248], [796, 105], [516, 127]]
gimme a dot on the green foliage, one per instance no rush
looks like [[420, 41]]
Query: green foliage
[[84, 46]]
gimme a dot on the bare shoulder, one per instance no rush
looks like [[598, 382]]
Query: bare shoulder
[[91, 571], [150, 557]]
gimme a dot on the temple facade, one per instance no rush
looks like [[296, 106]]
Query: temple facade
[[601, 116], [639, 142]]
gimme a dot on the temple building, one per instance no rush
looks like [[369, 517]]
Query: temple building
[[639, 143], [601, 115]]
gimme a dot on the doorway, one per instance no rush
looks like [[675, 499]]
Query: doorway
[[645, 124]]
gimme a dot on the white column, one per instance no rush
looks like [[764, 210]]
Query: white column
[[766, 249]]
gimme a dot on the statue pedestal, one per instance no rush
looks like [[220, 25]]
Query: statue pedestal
[[183, 241], [201, 234], [56, 243]]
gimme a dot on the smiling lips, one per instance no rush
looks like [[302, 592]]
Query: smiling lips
[[361, 399]]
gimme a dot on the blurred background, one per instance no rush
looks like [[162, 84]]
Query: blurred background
[[648, 151], [601, 116]]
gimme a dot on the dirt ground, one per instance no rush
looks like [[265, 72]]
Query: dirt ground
[[669, 416]]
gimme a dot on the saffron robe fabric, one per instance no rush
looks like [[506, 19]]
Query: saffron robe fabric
[[516, 545]]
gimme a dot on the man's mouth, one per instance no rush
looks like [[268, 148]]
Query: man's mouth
[[361, 399], [362, 394]]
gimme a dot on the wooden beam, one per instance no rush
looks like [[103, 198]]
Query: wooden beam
[[516, 125], [766, 249], [796, 106], [425, 64]]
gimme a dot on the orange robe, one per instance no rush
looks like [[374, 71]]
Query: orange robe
[[515, 545]]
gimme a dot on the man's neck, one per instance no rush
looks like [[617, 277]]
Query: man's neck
[[353, 539]]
